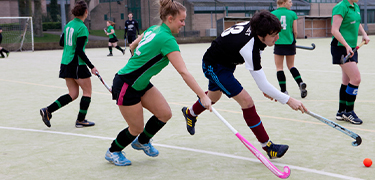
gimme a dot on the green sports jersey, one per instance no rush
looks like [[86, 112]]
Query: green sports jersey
[[286, 17], [350, 23], [109, 31], [149, 56], [73, 30]]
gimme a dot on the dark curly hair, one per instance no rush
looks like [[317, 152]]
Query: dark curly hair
[[79, 8], [264, 22]]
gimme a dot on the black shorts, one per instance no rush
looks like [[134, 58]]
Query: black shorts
[[338, 51], [124, 94], [75, 72], [131, 39], [285, 50], [113, 40]]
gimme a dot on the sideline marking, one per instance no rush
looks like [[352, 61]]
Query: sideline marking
[[192, 150]]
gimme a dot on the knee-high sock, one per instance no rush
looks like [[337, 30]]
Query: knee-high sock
[[153, 125], [110, 49], [255, 124], [119, 48], [351, 95], [59, 103], [296, 75], [83, 107], [342, 98], [282, 80], [124, 138]]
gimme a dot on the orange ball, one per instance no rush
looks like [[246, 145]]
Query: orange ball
[[367, 162]]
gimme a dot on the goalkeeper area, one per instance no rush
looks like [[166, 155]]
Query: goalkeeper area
[[17, 33]]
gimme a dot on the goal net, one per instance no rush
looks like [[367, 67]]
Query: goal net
[[17, 33]]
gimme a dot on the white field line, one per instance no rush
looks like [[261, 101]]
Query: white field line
[[189, 149]]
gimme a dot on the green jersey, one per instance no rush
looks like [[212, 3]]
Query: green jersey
[[109, 31], [287, 18], [149, 56], [350, 23], [73, 30]]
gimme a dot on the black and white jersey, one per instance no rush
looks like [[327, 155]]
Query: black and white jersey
[[234, 46], [238, 45], [131, 27]]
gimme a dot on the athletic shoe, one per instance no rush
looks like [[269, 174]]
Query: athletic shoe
[[7, 54], [285, 92], [84, 123], [123, 51], [2, 56], [147, 148], [117, 158], [352, 117], [275, 150], [190, 121], [339, 116], [46, 116], [302, 88], [110, 54]]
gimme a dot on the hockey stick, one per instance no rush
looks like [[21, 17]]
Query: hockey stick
[[125, 44], [259, 155], [104, 83], [306, 47], [344, 59], [358, 139]]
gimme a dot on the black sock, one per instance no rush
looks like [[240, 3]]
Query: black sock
[[153, 125], [296, 75], [60, 102], [119, 48], [351, 95], [1, 53], [342, 98], [282, 80], [6, 51], [83, 107], [110, 49], [124, 138]]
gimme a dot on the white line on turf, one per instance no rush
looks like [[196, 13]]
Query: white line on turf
[[192, 150]]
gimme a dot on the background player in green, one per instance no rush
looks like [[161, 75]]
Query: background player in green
[[286, 45], [74, 67], [133, 91], [346, 23], [112, 42]]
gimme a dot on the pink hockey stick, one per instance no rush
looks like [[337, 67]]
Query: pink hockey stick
[[259, 155]]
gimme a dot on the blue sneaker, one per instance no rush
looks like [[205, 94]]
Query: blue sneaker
[[275, 150], [117, 158], [339, 116], [352, 117], [46, 116], [190, 121], [84, 123], [147, 148]]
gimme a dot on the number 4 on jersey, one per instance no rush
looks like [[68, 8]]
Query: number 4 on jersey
[[283, 22]]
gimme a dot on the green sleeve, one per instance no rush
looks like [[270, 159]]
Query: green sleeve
[[169, 46], [339, 10]]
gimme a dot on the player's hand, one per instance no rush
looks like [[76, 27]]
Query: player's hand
[[94, 71], [206, 102], [366, 39], [269, 97], [296, 105], [349, 50]]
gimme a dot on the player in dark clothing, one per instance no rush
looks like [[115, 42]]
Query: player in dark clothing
[[131, 29], [243, 43], [1, 48]]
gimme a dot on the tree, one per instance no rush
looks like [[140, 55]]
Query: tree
[[38, 18]]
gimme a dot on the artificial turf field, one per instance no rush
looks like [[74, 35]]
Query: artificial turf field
[[30, 150]]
